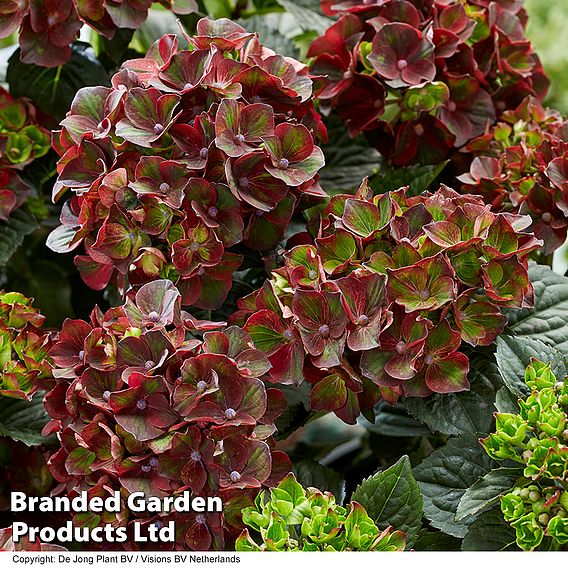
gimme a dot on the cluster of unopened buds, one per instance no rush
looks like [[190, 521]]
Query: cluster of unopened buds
[[189, 154], [290, 517], [421, 78], [537, 438], [381, 299], [21, 142]]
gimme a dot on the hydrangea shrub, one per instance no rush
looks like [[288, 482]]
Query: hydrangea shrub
[[421, 78], [289, 517], [24, 347], [537, 439], [521, 165], [141, 404], [22, 140], [47, 27], [380, 302], [189, 154]]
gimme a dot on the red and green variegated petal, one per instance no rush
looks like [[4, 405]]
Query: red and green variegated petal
[[288, 364], [467, 266], [408, 287], [501, 240], [141, 108], [217, 281], [303, 266], [115, 241], [350, 411], [267, 331], [403, 366], [94, 274], [254, 400], [311, 309], [444, 233], [329, 394], [479, 322], [443, 291], [160, 297], [251, 182], [138, 426], [313, 341], [266, 230], [337, 250], [298, 172], [158, 411], [363, 218], [332, 353], [365, 337], [132, 352], [259, 461], [506, 283], [449, 374], [257, 121], [291, 142], [252, 363], [79, 462], [186, 69], [442, 340]]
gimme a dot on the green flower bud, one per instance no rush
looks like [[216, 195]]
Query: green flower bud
[[538, 375], [528, 532], [512, 506], [552, 422], [558, 529], [511, 428], [543, 519]]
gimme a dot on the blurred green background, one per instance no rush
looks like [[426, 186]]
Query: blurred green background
[[548, 30]]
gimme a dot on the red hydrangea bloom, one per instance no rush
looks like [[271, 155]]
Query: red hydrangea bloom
[[149, 399], [189, 154], [521, 165], [422, 78], [48, 27], [382, 300], [21, 142]]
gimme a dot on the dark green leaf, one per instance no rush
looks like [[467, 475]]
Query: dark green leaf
[[547, 320], [23, 420], [395, 421], [274, 32], [312, 474], [490, 532], [53, 89], [418, 178], [296, 414], [470, 411], [347, 160], [444, 477], [392, 498], [506, 401], [20, 224], [429, 541], [307, 15], [485, 492], [514, 354]]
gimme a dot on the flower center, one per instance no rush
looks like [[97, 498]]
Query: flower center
[[195, 456], [288, 334], [164, 187], [187, 86], [546, 217], [158, 128], [363, 320], [424, 294], [230, 413], [81, 354], [141, 404], [419, 130], [347, 75], [52, 19], [234, 476], [203, 153], [148, 365], [312, 274], [402, 64], [201, 385], [200, 519], [194, 246], [106, 396], [452, 106], [244, 182], [256, 99], [153, 462], [240, 138], [428, 358], [400, 347], [201, 271], [146, 468], [153, 316], [284, 163], [324, 331], [212, 211]]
